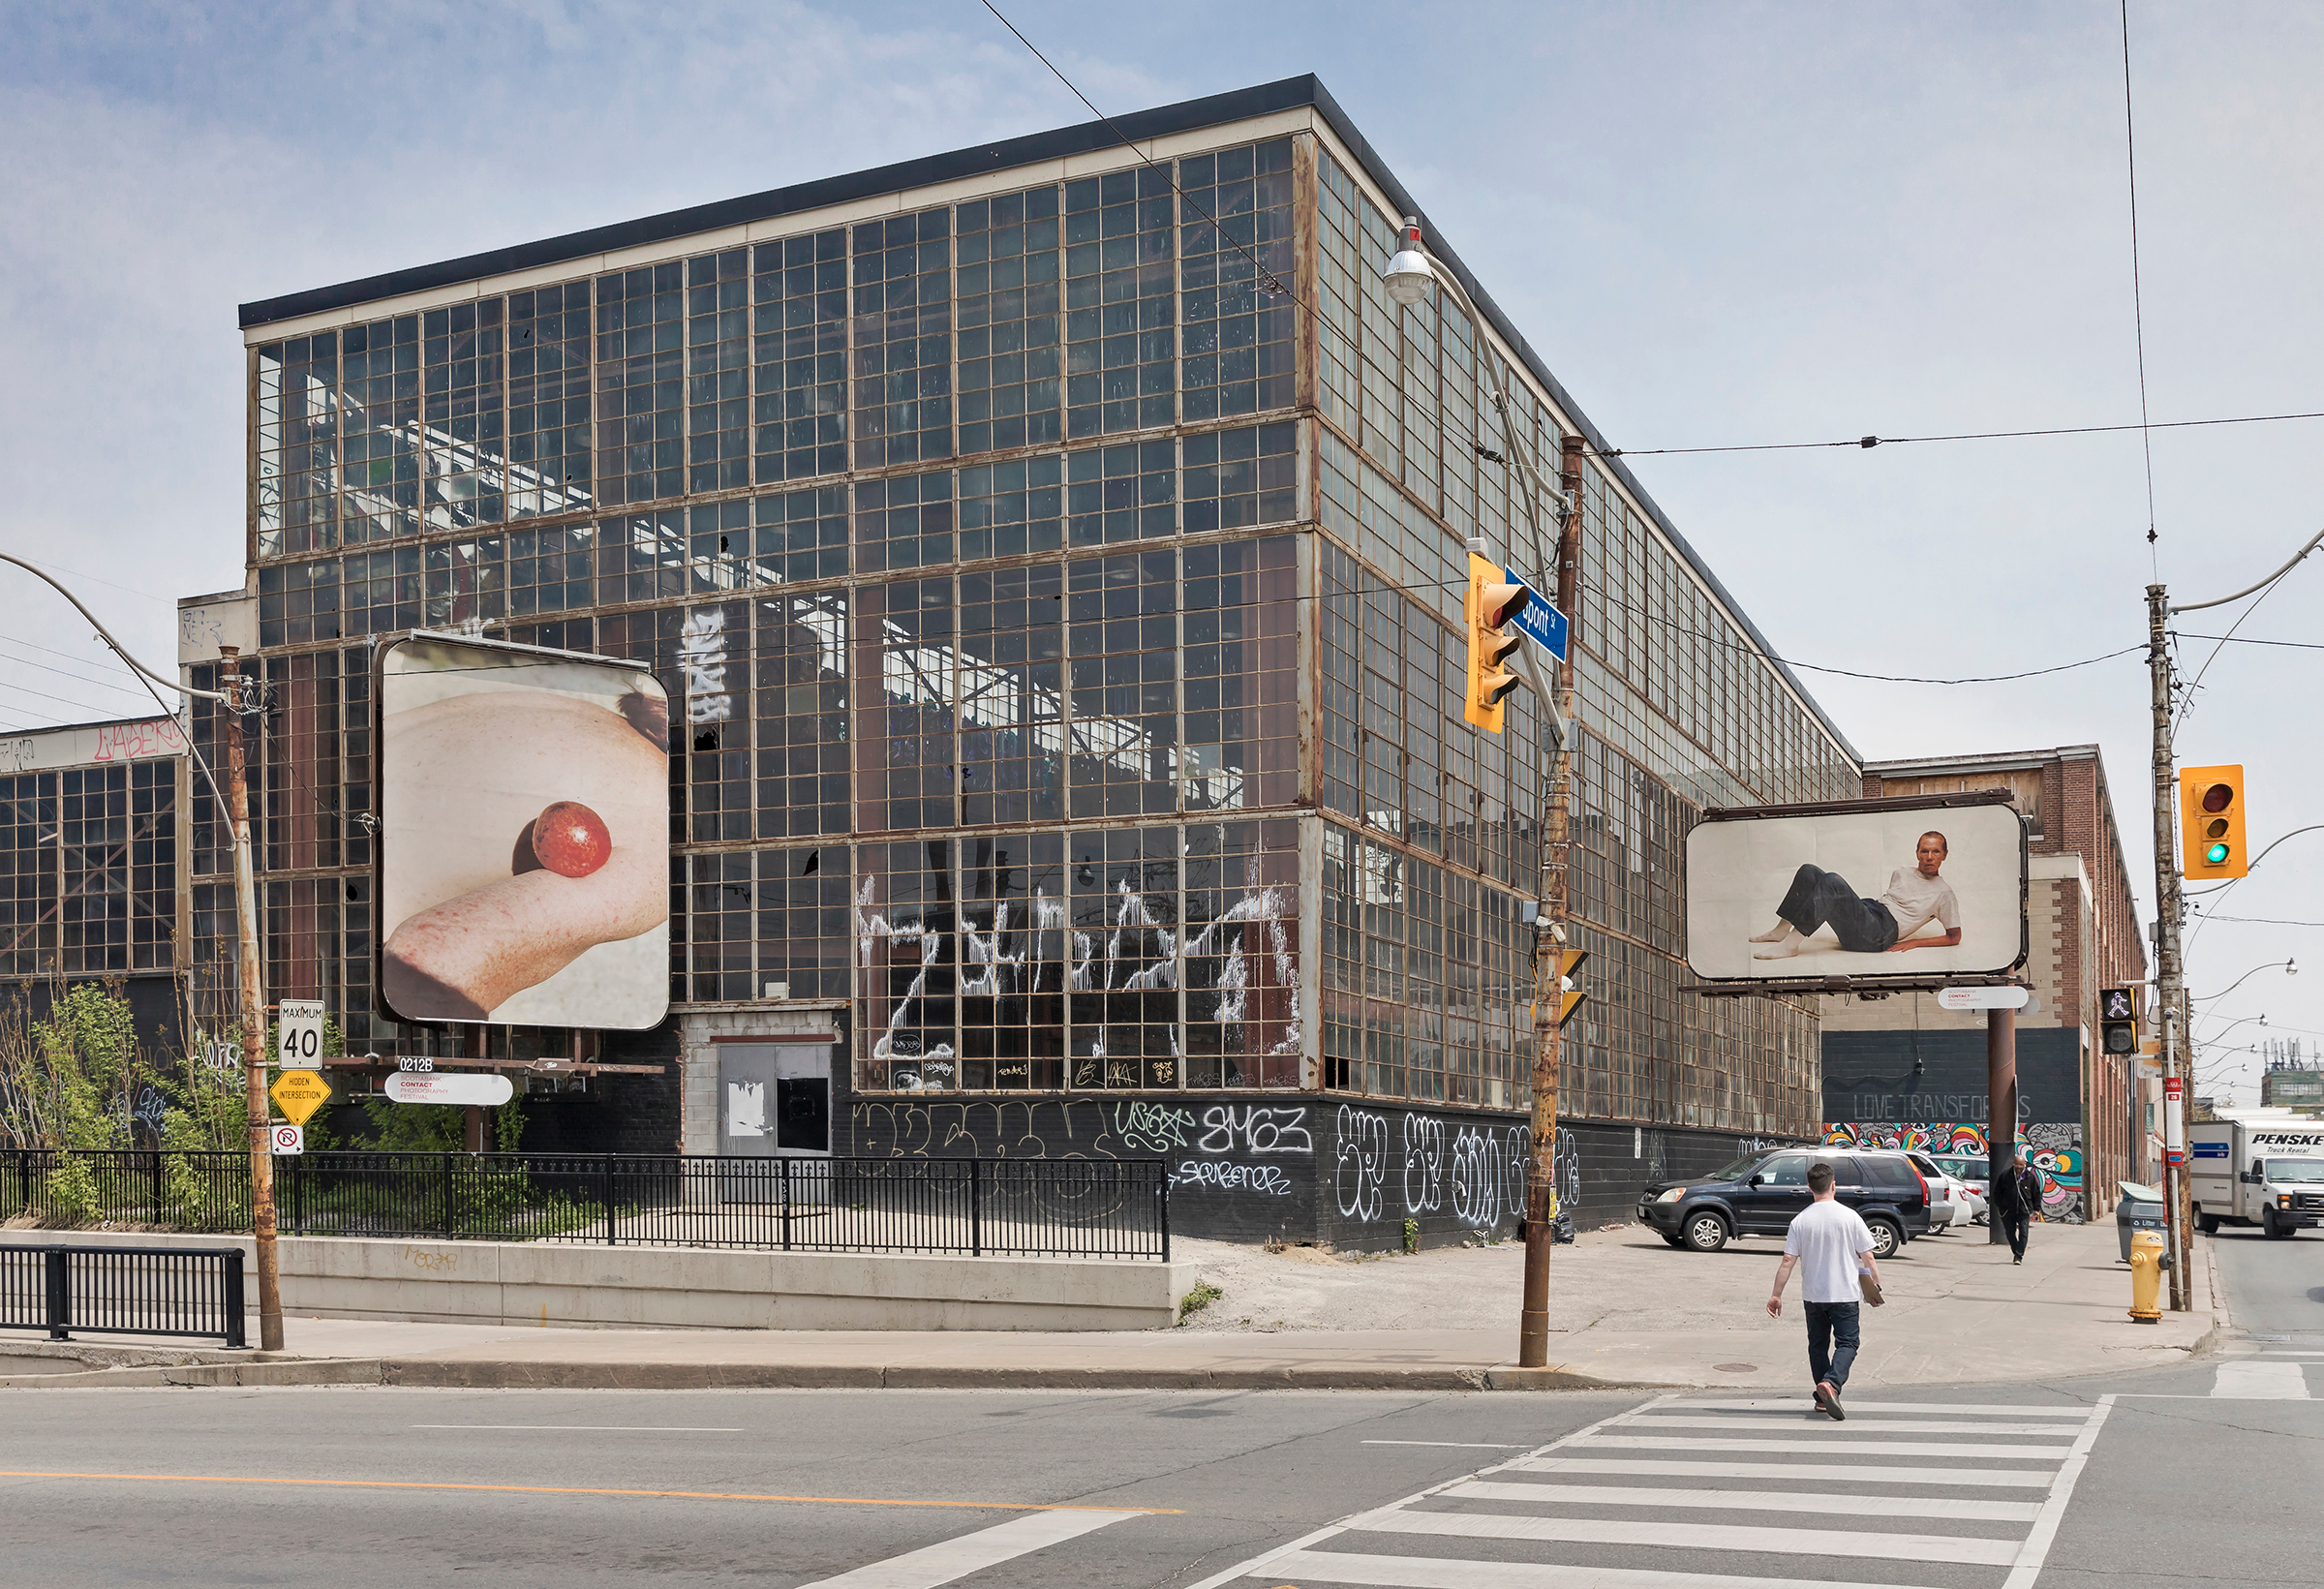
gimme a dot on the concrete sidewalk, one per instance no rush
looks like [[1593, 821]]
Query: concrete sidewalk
[[1632, 1312]]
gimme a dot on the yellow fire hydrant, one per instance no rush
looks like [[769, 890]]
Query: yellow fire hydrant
[[2146, 1277]]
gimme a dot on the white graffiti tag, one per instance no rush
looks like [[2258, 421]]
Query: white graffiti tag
[[1360, 1162]]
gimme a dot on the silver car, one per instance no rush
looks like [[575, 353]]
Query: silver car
[[1968, 1172]]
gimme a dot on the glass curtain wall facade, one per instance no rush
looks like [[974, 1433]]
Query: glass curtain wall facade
[[1062, 588]]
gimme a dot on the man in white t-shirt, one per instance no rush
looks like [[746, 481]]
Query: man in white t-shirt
[[1828, 1242], [1917, 896]]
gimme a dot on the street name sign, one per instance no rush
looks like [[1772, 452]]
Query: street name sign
[[288, 1139], [449, 1087], [1982, 999], [299, 1093], [1540, 621], [298, 1025]]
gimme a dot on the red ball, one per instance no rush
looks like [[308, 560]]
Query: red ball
[[571, 840]]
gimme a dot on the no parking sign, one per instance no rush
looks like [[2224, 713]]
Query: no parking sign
[[290, 1138]]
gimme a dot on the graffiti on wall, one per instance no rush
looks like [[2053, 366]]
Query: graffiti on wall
[[2054, 1150], [1365, 1166]]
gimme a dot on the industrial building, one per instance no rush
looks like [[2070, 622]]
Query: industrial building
[[1056, 547]]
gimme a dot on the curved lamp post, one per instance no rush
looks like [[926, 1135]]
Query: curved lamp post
[[236, 799], [2290, 968]]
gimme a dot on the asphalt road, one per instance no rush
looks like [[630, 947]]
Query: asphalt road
[[2204, 1474], [2273, 1286]]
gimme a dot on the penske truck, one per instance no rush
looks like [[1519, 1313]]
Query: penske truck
[[2261, 1167]]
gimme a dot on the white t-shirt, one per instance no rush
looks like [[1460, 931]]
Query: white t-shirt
[[1826, 1238], [1913, 899]]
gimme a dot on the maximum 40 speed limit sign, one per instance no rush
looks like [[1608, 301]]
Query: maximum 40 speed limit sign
[[298, 1045]]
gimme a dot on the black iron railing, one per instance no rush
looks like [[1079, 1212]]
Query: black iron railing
[[1041, 1207], [123, 1291]]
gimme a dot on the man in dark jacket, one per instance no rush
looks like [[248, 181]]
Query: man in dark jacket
[[2016, 1198]]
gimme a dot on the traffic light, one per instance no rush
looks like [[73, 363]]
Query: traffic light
[[2118, 1021], [1489, 607], [2211, 823], [1568, 996]]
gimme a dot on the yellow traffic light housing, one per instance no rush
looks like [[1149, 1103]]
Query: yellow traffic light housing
[[2211, 823], [1568, 996], [1489, 606]]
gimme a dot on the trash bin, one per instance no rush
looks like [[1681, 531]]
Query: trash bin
[[2140, 1209]]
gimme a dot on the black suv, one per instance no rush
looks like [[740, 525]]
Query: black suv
[[1758, 1196]]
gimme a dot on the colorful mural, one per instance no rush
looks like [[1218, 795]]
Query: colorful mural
[[2055, 1150]]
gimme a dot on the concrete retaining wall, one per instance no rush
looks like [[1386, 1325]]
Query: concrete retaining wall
[[684, 1287]]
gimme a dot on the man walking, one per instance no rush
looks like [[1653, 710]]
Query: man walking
[[2016, 1196], [1829, 1242]]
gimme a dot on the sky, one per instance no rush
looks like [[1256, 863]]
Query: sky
[[1719, 223]]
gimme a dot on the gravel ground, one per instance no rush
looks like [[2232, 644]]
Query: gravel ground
[[1619, 1280]]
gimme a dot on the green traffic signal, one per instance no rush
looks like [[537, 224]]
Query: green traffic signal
[[2216, 856]]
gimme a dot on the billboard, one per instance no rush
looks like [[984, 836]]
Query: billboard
[[1873, 890], [522, 847]]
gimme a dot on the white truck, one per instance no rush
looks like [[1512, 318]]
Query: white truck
[[2260, 1168]]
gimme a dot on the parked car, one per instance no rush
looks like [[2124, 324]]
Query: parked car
[[1949, 1198], [1760, 1194], [1969, 1169]]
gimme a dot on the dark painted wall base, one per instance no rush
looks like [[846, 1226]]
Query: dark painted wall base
[[1302, 1169]]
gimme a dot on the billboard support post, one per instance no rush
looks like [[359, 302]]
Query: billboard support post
[[2169, 973], [253, 1009], [2000, 1103]]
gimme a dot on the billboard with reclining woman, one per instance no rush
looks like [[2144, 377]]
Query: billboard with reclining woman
[[1872, 891]]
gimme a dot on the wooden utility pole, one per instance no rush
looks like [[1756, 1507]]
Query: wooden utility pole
[[2169, 975], [1550, 937], [253, 1002]]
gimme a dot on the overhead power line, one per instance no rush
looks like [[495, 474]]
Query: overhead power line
[[2138, 306], [1959, 436]]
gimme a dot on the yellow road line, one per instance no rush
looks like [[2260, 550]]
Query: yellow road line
[[561, 1490]]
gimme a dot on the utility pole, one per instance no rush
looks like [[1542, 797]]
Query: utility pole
[[254, 1011], [1550, 938], [236, 799], [2169, 981]]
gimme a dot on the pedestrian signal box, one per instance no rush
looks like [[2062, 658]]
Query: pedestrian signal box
[[2211, 823], [2118, 1021]]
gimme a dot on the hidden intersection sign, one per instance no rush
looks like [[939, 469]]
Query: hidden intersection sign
[[300, 1093]]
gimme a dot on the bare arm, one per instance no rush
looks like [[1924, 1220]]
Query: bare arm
[[1783, 1278], [1951, 937], [1871, 1264]]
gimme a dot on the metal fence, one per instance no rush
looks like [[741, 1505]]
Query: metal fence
[[1041, 1207], [123, 1291]]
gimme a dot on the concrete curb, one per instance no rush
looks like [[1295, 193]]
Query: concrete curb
[[520, 1375]]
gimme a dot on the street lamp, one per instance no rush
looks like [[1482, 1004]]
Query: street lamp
[[2289, 968], [1408, 277], [2206, 1042], [236, 799]]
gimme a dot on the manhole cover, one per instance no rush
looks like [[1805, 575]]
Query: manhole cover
[[1736, 1368]]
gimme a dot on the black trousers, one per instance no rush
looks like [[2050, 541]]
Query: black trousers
[[1818, 897], [2017, 1225]]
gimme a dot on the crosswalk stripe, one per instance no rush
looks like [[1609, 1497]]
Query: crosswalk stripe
[[1433, 1572], [2027, 1568], [1892, 1425], [1802, 1404], [1866, 1473], [1826, 1445], [1791, 1541], [2262, 1381], [1743, 1500], [951, 1559]]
